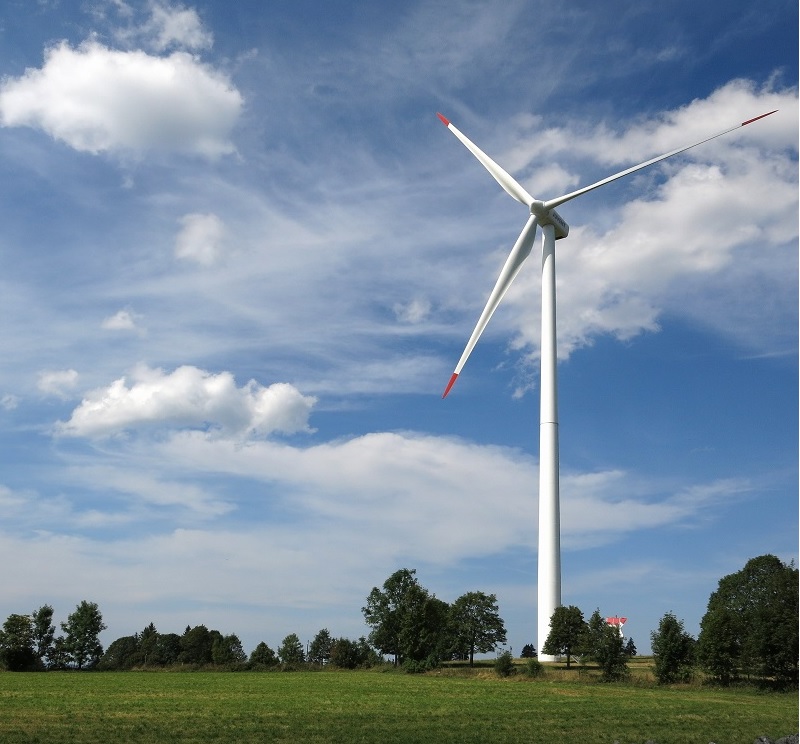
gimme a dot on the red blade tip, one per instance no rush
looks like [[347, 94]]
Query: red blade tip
[[756, 118], [444, 121], [450, 384]]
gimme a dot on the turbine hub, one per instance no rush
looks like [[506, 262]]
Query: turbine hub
[[546, 216]]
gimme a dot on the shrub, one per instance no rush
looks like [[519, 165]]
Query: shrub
[[534, 668], [504, 664]]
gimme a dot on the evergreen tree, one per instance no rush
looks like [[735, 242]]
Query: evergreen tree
[[603, 644], [673, 651], [263, 657], [290, 652], [319, 652], [148, 646]]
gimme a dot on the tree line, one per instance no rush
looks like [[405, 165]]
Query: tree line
[[749, 631], [408, 622]]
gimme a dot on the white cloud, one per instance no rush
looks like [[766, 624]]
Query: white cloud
[[401, 498], [58, 383], [414, 311], [9, 402], [142, 488], [123, 320], [176, 26], [190, 397], [200, 238], [97, 99], [691, 220], [408, 487], [165, 26]]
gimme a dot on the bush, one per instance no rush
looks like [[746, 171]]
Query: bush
[[504, 664], [534, 668], [412, 666]]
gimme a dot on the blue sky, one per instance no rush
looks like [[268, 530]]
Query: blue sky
[[240, 257]]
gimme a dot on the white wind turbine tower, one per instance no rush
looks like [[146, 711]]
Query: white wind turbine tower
[[543, 214]]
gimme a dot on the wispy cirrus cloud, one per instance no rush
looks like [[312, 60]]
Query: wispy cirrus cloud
[[200, 238]]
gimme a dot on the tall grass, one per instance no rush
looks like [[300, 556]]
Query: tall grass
[[373, 707]]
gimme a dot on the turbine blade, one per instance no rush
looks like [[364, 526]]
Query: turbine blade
[[552, 203], [516, 258], [508, 183]]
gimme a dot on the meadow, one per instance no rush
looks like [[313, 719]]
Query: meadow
[[376, 706]]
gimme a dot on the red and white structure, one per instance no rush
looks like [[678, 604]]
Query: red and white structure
[[617, 622], [543, 214]]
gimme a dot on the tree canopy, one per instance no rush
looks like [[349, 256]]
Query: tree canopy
[[81, 635], [750, 626], [407, 621], [17, 651], [567, 628], [476, 623], [673, 650], [603, 644]]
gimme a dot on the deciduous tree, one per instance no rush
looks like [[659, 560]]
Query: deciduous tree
[[196, 644], [567, 627], [122, 654], [227, 651], [43, 632], [17, 652], [81, 635], [476, 624], [407, 621], [750, 626], [386, 609]]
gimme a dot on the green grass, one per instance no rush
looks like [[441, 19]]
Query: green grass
[[373, 707]]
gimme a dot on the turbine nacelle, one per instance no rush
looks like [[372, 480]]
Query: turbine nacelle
[[545, 216]]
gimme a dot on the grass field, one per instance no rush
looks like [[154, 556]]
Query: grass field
[[371, 706]]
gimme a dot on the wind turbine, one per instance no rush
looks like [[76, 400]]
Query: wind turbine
[[544, 215]]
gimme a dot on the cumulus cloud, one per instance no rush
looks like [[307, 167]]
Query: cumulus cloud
[[58, 383], [98, 100], [689, 220], [200, 238], [190, 397]]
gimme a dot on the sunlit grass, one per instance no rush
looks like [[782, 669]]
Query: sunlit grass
[[329, 706]]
